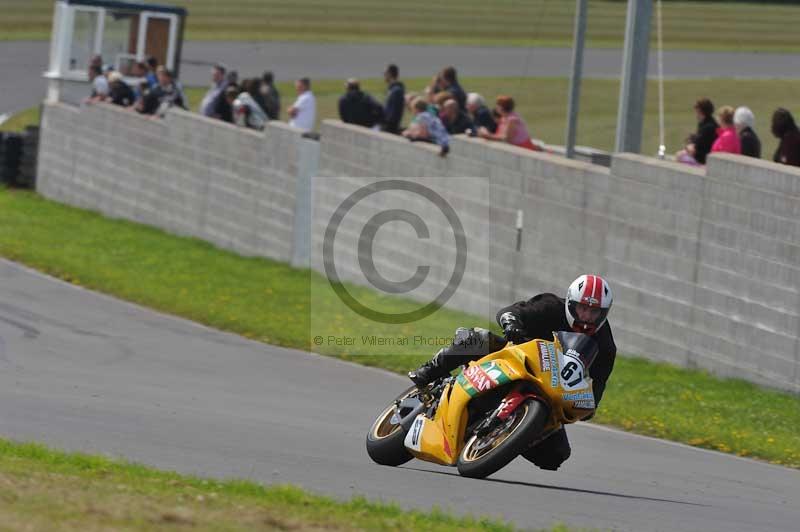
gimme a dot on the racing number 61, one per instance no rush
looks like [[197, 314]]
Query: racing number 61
[[567, 372]]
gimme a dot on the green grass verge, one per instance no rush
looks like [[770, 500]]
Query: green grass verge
[[43, 489], [18, 121], [543, 103], [687, 25], [269, 301]]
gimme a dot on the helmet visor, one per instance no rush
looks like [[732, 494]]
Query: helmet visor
[[587, 318]]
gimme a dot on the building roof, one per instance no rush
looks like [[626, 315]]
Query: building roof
[[137, 6]]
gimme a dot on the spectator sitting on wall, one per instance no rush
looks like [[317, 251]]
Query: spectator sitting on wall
[[270, 96], [100, 88], [426, 127], [395, 98], [246, 111], [481, 116], [411, 99], [785, 129], [454, 119], [358, 107], [139, 71], [223, 108], [231, 93], [303, 112], [120, 92], [447, 81], [255, 92], [511, 128], [744, 121], [727, 139], [152, 67], [697, 151], [209, 102], [168, 93], [142, 94]]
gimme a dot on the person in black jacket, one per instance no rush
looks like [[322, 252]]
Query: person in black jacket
[[785, 129], [481, 116], [699, 147], [454, 119], [744, 120], [585, 310], [357, 107], [395, 101]]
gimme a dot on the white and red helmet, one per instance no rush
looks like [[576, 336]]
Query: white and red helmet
[[594, 292]]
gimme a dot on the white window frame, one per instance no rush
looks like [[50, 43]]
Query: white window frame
[[70, 33]]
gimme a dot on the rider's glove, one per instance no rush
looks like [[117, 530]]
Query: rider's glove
[[513, 330]]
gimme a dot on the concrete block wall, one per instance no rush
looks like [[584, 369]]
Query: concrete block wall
[[705, 262], [187, 174], [351, 153]]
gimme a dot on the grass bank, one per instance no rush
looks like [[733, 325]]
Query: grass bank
[[687, 25], [17, 122], [43, 489], [271, 302]]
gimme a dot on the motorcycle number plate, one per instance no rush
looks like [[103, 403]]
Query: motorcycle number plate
[[413, 439]]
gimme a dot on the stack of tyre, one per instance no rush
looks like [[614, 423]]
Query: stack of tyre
[[26, 177], [18, 157]]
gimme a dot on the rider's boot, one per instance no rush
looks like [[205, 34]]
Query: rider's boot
[[468, 344], [430, 370]]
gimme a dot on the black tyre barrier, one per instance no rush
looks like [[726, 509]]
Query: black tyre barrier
[[18, 157]]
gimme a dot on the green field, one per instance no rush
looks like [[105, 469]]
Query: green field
[[51, 491], [253, 296], [687, 25]]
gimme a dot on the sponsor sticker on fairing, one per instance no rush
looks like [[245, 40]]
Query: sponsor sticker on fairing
[[544, 357], [584, 396], [551, 351], [585, 404], [413, 439], [478, 378]]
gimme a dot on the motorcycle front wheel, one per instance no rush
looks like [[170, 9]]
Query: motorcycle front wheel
[[487, 454], [385, 440]]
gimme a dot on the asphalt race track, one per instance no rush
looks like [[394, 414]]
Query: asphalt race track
[[83, 371], [23, 62]]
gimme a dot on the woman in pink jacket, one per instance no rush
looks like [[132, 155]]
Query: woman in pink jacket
[[727, 138]]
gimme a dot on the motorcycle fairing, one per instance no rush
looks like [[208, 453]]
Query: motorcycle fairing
[[543, 364]]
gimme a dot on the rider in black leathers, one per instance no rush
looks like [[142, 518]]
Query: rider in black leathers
[[584, 310]]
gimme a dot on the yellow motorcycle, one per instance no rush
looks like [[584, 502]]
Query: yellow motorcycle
[[493, 410]]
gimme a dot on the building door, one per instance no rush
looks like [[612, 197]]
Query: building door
[[157, 37]]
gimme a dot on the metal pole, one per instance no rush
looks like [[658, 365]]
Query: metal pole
[[662, 147], [575, 78], [634, 76]]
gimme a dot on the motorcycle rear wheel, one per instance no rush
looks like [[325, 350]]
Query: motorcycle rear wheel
[[385, 440], [485, 455]]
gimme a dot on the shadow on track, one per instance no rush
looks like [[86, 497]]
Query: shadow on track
[[563, 488]]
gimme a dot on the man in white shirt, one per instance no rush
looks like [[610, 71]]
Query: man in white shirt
[[303, 113]]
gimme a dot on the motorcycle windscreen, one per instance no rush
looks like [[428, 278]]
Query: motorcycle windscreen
[[584, 345]]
